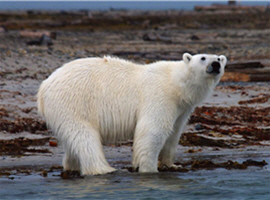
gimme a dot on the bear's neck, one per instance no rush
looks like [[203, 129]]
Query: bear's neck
[[195, 89]]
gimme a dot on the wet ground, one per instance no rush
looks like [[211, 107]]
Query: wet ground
[[41, 181], [231, 127]]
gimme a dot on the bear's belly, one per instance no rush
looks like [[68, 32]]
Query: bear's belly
[[118, 126]]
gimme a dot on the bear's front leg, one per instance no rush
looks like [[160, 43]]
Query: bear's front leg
[[148, 141], [168, 152]]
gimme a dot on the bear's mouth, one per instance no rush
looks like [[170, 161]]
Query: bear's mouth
[[214, 68]]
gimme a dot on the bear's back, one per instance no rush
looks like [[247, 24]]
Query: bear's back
[[100, 91]]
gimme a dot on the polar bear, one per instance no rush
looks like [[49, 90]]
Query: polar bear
[[94, 101]]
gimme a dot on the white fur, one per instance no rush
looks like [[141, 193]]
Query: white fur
[[95, 101]]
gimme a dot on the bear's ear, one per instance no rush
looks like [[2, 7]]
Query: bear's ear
[[223, 59], [187, 58]]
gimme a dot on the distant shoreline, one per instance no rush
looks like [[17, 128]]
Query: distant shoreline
[[115, 5], [201, 18]]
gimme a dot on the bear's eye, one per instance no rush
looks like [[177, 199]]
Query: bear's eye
[[203, 58], [218, 59]]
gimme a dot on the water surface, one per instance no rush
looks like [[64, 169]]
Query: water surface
[[204, 184]]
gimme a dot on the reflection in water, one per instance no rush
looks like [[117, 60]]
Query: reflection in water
[[122, 184], [204, 184]]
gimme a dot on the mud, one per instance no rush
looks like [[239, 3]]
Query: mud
[[191, 165], [208, 165]]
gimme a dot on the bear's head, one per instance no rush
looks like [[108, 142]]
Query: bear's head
[[206, 65]]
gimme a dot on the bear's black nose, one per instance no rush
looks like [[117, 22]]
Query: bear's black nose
[[216, 66]]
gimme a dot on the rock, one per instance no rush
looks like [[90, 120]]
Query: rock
[[3, 29], [37, 34], [251, 71], [235, 77], [153, 37], [53, 143], [199, 127], [261, 99], [194, 37], [189, 139], [233, 66], [251, 162], [44, 40]]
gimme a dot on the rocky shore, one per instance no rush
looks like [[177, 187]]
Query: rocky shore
[[35, 43]]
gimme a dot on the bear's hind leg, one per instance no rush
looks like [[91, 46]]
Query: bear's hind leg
[[71, 162], [86, 146]]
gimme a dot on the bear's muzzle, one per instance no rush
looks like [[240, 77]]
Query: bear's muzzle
[[214, 68]]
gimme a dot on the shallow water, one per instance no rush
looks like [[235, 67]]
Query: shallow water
[[251, 183], [204, 184]]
